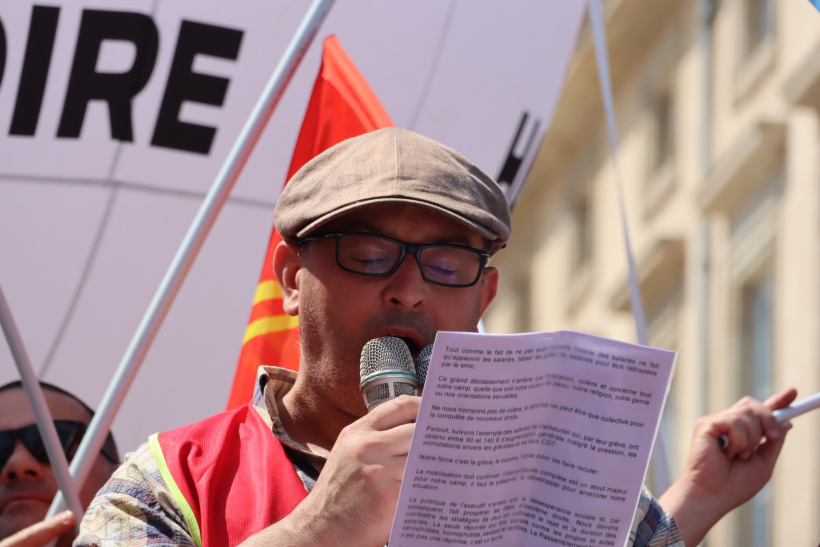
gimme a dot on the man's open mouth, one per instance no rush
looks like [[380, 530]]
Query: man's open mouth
[[411, 345]]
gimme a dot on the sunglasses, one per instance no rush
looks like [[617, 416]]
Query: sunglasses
[[69, 432]]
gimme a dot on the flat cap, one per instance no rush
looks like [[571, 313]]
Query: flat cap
[[392, 166]]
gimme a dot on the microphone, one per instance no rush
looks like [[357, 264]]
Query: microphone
[[423, 363], [387, 371]]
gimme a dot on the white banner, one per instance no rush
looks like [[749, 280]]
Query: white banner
[[115, 117]]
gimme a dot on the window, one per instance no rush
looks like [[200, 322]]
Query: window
[[582, 220], [756, 363], [523, 299], [579, 272], [664, 127], [663, 316], [756, 44], [758, 23], [660, 179], [756, 338]]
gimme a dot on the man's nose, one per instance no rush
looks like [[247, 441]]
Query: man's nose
[[22, 465], [405, 286]]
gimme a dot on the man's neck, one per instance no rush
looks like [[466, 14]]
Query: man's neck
[[310, 421]]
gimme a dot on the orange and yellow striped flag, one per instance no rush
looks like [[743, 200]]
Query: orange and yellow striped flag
[[341, 106]]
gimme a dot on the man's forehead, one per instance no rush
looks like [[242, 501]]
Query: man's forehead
[[401, 220], [16, 411]]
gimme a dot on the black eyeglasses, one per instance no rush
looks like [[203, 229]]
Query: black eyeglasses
[[379, 256], [69, 432]]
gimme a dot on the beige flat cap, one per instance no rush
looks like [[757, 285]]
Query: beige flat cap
[[392, 166]]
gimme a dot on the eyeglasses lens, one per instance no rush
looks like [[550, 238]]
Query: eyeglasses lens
[[450, 266], [368, 255]]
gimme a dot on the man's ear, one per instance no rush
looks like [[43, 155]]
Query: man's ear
[[489, 288], [287, 266]]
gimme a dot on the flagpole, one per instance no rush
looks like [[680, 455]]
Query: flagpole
[[45, 424], [660, 463], [192, 243]]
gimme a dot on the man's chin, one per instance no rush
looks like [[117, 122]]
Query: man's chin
[[21, 514]]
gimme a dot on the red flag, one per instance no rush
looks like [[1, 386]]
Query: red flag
[[341, 106]]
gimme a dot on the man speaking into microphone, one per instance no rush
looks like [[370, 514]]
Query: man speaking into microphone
[[386, 234]]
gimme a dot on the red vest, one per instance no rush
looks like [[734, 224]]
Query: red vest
[[229, 475]]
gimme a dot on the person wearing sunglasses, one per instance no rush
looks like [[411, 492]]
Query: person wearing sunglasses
[[386, 234], [28, 483]]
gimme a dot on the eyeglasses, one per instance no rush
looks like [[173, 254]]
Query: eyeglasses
[[69, 432], [380, 256]]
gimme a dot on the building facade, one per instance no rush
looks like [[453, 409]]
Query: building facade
[[717, 105]]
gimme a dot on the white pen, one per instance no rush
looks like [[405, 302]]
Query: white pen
[[785, 414], [798, 408]]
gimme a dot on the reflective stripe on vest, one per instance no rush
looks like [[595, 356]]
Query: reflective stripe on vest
[[229, 475]]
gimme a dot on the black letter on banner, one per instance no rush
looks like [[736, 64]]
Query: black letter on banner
[[40, 46], [2, 51], [117, 89], [506, 177], [186, 85]]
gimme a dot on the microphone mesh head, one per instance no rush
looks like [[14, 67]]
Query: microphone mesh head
[[423, 363], [385, 353]]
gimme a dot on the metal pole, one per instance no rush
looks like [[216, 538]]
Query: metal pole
[[45, 424], [660, 465], [707, 9], [181, 264]]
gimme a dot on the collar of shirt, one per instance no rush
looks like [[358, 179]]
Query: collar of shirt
[[273, 383]]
